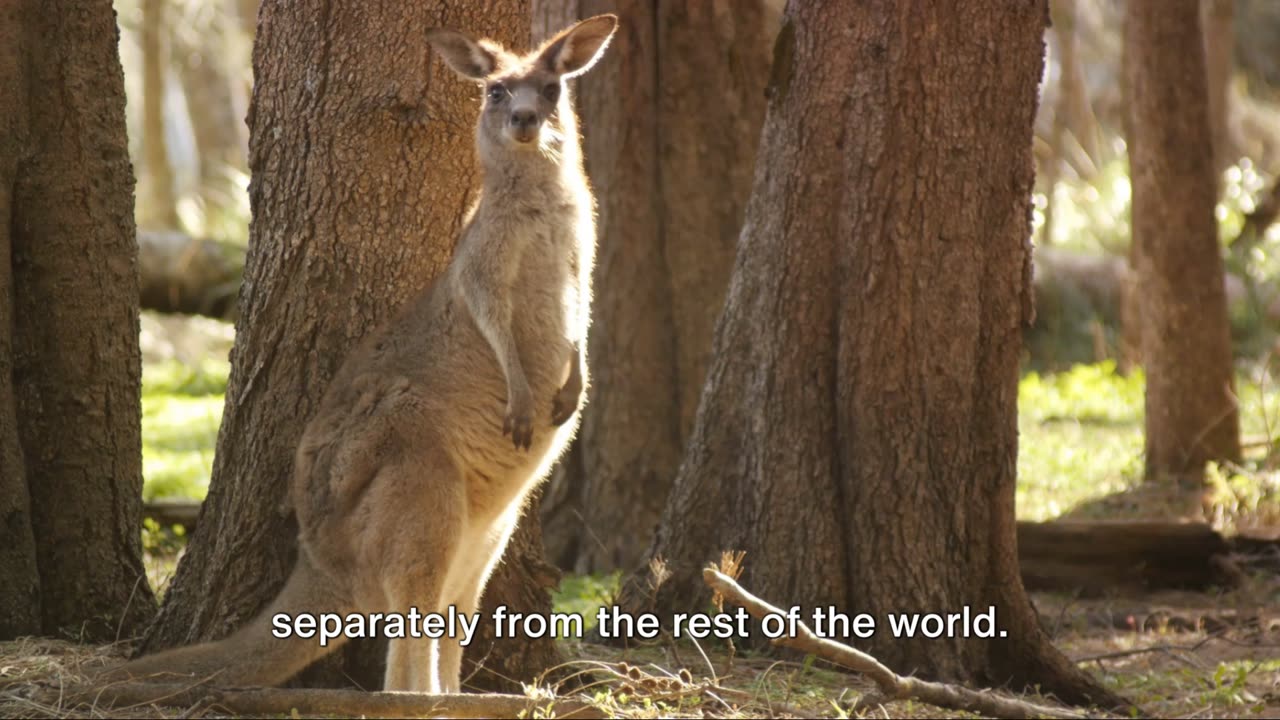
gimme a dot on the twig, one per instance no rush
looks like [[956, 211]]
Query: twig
[[892, 685], [341, 703]]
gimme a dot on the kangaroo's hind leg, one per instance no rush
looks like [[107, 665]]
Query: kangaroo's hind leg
[[466, 588], [415, 511]]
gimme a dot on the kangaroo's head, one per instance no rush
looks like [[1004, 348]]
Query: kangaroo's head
[[523, 93]]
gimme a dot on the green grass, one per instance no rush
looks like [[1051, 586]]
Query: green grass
[[181, 410], [1080, 440]]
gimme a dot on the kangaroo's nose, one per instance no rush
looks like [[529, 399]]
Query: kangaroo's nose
[[524, 119]]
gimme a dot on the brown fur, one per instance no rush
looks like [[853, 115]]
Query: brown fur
[[409, 480]]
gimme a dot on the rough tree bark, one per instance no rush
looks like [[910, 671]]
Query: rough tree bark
[[70, 368], [857, 435], [1191, 415], [160, 206], [672, 119], [362, 163]]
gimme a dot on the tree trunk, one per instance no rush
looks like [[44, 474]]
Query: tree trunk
[[160, 204], [672, 119], [70, 368], [1191, 416], [1219, 49], [362, 165], [247, 13], [857, 436]]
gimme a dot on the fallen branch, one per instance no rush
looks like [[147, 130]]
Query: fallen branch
[[262, 702], [892, 685]]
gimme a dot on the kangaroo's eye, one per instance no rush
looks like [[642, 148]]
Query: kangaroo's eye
[[497, 92], [551, 92]]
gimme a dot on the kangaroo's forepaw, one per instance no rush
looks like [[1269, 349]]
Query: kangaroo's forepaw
[[519, 425]]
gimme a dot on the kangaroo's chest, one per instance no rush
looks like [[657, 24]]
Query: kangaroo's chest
[[550, 296]]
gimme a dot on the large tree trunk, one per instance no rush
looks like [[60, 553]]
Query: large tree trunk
[[362, 164], [672, 120], [1191, 415], [857, 435], [70, 368]]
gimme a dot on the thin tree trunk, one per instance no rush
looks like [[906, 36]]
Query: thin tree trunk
[[160, 205], [1073, 104], [1191, 415], [71, 367], [1219, 48], [857, 436], [201, 47], [362, 163], [672, 120], [247, 14]]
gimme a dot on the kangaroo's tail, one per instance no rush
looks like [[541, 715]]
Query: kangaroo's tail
[[252, 656]]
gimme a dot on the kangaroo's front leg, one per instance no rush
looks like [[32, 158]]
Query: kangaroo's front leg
[[569, 398]]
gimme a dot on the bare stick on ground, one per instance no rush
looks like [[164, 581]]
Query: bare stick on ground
[[891, 685]]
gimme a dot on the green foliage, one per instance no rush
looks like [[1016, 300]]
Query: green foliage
[[585, 595]]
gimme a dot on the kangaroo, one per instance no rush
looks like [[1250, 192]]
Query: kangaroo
[[409, 480]]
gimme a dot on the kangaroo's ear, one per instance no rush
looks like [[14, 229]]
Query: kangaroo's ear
[[472, 59], [577, 48]]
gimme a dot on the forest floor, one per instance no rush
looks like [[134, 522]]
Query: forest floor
[[1188, 655], [1176, 654]]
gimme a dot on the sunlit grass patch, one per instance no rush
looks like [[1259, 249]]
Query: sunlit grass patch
[[1080, 438]]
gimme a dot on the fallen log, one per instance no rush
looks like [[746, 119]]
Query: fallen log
[[194, 276], [1093, 557], [173, 512]]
